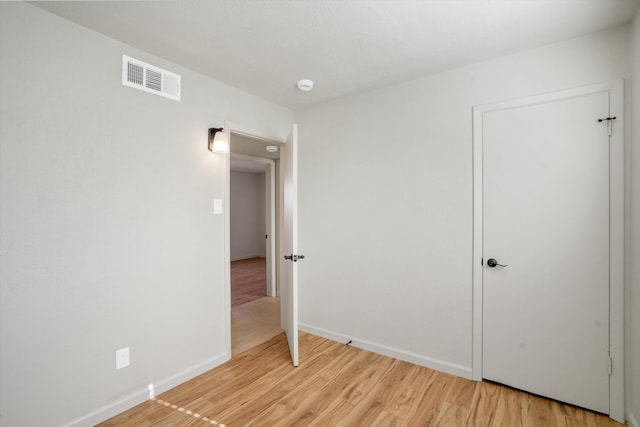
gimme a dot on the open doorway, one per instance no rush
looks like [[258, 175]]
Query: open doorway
[[255, 304]]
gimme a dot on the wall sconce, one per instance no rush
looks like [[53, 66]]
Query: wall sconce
[[218, 141]]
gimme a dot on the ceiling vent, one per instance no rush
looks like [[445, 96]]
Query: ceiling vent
[[148, 78]]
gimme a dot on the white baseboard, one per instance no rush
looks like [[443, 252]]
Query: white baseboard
[[136, 398], [407, 356], [632, 420]]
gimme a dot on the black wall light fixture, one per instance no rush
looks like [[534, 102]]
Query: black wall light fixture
[[217, 141]]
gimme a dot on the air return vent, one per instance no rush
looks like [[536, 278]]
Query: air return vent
[[148, 78]]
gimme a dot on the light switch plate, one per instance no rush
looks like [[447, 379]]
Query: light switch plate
[[217, 206], [122, 358]]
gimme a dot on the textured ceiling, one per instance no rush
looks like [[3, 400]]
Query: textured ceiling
[[263, 47]]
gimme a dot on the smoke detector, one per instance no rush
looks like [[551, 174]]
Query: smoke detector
[[305, 85], [272, 148]]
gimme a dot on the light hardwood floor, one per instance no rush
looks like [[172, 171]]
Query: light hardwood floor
[[248, 280], [338, 385], [255, 317], [254, 322]]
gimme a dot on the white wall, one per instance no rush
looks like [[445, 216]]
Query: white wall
[[248, 226], [385, 192], [107, 233], [633, 300]]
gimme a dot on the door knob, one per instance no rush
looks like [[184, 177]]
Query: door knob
[[491, 262]]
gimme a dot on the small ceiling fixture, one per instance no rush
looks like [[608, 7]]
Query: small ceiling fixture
[[218, 141], [305, 85], [272, 148]]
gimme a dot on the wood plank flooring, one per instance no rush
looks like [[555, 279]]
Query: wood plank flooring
[[254, 323], [255, 317], [338, 385], [248, 280]]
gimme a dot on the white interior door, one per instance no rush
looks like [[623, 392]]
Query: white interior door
[[289, 242], [546, 218]]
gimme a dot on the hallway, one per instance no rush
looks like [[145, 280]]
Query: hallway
[[255, 317]]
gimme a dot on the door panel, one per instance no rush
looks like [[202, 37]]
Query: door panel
[[289, 242], [546, 216]]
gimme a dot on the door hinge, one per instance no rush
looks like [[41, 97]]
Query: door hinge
[[609, 121], [610, 366]]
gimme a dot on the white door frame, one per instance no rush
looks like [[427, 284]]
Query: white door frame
[[616, 229], [237, 128], [270, 210]]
